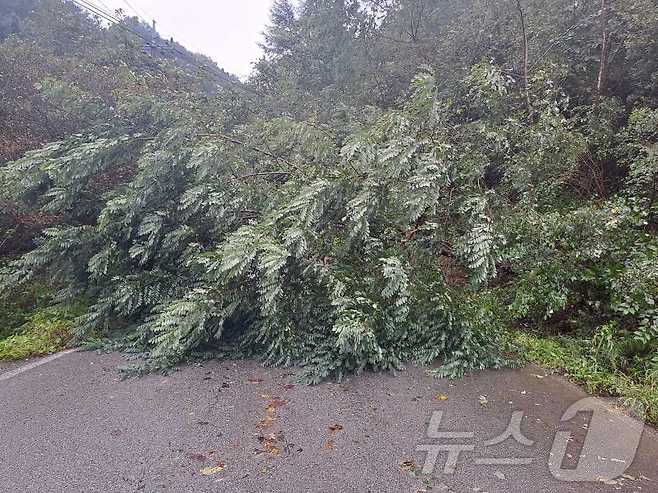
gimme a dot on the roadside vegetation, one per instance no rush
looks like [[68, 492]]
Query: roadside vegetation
[[31, 324], [396, 181], [46, 331], [582, 363]]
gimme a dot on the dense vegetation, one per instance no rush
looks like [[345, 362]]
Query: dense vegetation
[[398, 180]]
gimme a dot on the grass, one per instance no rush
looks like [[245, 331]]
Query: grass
[[47, 330], [574, 359]]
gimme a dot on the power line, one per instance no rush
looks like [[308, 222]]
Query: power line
[[128, 4], [104, 4], [144, 17], [96, 10]]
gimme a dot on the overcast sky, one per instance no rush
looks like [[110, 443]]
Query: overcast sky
[[228, 31]]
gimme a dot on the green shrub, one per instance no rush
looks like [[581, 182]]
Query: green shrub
[[595, 368], [46, 331], [16, 306]]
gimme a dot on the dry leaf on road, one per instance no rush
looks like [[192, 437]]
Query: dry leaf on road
[[207, 471]]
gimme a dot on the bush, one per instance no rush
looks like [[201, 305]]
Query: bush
[[46, 331], [16, 307], [584, 362]]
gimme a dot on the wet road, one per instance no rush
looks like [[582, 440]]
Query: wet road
[[72, 425]]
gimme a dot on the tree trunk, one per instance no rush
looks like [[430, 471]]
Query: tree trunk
[[526, 83], [605, 49]]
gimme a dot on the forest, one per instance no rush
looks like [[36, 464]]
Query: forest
[[468, 182]]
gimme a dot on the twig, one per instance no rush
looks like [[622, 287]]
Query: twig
[[235, 141], [264, 173]]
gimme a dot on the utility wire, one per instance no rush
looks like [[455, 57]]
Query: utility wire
[[96, 10], [104, 5], [146, 17], [129, 5]]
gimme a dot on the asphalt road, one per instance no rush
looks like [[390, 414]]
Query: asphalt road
[[72, 425]]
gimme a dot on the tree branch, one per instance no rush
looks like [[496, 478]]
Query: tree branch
[[264, 173], [526, 82], [235, 141]]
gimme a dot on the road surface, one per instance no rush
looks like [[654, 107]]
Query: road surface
[[72, 425]]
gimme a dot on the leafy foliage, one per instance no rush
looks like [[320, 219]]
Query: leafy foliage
[[353, 217], [15, 311], [587, 362], [46, 331]]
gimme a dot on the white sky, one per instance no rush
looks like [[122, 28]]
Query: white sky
[[228, 31]]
